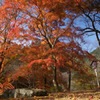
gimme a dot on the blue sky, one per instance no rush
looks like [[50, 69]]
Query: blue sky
[[91, 43]]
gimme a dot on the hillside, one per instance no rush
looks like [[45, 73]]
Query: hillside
[[96, 52]]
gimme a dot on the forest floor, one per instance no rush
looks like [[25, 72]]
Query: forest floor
[[75, 95], [84, 95], [78, 95]]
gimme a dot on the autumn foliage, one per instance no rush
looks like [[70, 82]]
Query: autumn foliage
[[5, 86], [41, 32]]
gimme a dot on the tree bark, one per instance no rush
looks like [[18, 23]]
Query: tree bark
[[69, 87], [1, 62], [55, 83]]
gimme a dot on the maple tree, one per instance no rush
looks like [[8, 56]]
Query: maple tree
[[8, 35], [8, 32], [46, 35], [54, 36]]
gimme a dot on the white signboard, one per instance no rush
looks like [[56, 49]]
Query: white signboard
[[94, 64]]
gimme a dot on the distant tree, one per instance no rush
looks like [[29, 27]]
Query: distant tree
[[89, 13]]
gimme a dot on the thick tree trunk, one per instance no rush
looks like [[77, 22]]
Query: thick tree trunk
[[55, 83]]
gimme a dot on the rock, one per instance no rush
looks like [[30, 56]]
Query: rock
[[20, 93], [39, 92]]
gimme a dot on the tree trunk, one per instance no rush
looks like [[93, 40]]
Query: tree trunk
[[45, 82], [55, 83], [97, 36], [1, 63], [69, 87]]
